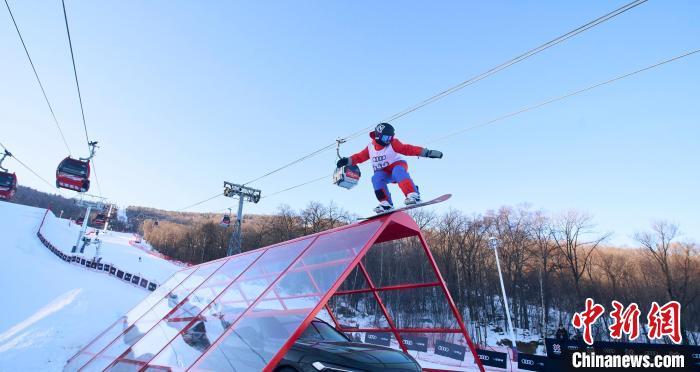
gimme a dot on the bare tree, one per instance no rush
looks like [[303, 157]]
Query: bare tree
[[574, 236], [658, 242]]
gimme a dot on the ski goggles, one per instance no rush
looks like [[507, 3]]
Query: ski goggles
[[384, 138]]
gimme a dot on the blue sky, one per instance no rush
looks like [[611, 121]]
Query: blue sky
[[183, 95]]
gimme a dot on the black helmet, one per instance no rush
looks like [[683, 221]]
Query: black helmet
[[383, 133]]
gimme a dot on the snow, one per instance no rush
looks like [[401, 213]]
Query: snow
[[52, 308], [115, 249]]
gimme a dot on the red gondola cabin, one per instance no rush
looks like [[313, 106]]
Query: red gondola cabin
[[73, 174], [99, 219], [226, 221], [8, 185]]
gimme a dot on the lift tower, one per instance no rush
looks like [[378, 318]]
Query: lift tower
[[89, 202], [244, 193]]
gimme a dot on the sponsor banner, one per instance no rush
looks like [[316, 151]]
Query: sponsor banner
[[530, 362], [378, 338], [450, 350], [416, 343], [96, 264], [493, 358]]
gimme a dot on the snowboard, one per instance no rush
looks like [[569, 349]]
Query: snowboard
[[439, 199]]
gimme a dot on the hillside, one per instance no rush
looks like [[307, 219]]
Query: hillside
[[51, 307]]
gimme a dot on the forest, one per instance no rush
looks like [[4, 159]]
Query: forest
[[551, 262]]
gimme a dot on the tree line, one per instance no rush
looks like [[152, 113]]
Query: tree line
[[551, 262]]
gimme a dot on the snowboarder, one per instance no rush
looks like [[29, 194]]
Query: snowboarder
[[389, 166]]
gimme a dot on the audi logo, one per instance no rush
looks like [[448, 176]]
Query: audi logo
[[696, 356], [484, 357], [527, 362], [442, 348]]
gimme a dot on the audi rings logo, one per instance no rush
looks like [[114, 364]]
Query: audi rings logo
[[527, 362], [484, 357], [695, 356]]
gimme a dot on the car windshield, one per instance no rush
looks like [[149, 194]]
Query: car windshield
[[6, 179], [75, 167], [320, 331]]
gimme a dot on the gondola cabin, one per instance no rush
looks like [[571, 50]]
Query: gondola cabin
[[73, 174], [99, 219], [8, 185], [226, 221], [80, 221]]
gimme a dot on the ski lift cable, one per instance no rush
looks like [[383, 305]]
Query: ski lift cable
[[469, 81], [97, 180], [36, 74], [90, 144], [218, 194], [530, 108], [75, 74], [564, 96], [32, 171], [325, 177], [513, 61]]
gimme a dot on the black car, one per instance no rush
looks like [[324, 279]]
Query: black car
[[322, 348]]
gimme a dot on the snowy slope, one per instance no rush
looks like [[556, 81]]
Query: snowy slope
[[52, 308], [115, 249]]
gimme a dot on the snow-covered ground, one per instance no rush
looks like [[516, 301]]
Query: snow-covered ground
[[52, 308]]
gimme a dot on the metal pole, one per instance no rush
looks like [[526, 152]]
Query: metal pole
[[82, 229], [493, 242], [544, 309], [234, 245], [109, 215], [243, 193]]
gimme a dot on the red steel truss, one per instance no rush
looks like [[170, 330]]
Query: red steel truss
[[246, 311]]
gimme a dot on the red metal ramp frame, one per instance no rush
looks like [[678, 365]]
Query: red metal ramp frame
[[288, 283]]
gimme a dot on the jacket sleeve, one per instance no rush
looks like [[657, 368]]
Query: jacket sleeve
[[406, 149], [360, 157]]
